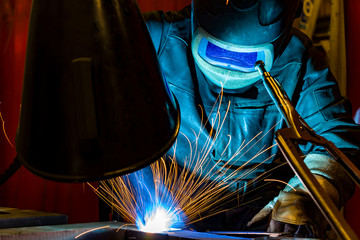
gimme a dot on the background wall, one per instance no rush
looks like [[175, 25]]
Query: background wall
[[352, 20], [26, 191]]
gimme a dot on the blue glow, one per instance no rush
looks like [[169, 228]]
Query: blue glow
[[156, 211], [236, 60], [244, 60]]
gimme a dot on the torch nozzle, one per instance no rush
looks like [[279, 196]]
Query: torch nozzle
[[260, 66]]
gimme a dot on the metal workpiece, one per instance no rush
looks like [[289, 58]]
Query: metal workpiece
[[123, 231], [299, 132], [15, 218]]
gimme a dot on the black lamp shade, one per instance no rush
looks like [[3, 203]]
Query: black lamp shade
[[94, 104]]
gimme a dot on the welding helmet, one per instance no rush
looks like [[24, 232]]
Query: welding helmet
[[229, 36]]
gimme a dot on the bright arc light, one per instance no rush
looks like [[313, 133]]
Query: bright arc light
[[160, 220]]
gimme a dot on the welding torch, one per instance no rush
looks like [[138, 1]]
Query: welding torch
[[299, 132]]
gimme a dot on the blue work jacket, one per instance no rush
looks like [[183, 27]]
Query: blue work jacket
[[232, 134]]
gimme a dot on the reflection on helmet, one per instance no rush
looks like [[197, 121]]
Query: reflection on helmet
[[230, 36]]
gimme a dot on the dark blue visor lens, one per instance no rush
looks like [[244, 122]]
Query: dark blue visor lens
[[243, 61]]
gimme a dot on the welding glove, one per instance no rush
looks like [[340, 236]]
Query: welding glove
[[293, 210]]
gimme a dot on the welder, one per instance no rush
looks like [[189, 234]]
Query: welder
[[208, 50]]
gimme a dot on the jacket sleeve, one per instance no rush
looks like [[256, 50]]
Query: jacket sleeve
[[329, 114], [160, 25], [155, 23]]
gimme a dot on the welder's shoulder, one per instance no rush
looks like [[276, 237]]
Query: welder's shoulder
[[312, 56], [302, 37], [300, 51], [167, 17], [162, 24]]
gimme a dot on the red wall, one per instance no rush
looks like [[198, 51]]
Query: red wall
[[165, 5], [352, 10], [26, 191], [353, 51]]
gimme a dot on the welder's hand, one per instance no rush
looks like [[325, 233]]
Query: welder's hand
[[292, 212], [296, 213]]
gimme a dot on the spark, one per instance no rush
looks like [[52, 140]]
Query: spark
[[166, 196], [124, 226], [227, 145], [91, 230], [276, 180], [4, 131], [227, 2]]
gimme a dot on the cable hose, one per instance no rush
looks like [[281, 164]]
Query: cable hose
[[14, 166]]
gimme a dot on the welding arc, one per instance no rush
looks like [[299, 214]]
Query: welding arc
[[14, 166]]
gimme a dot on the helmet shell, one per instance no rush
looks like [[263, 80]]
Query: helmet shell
[[246, 22]]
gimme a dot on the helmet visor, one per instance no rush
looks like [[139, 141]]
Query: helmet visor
[[229, 56]]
